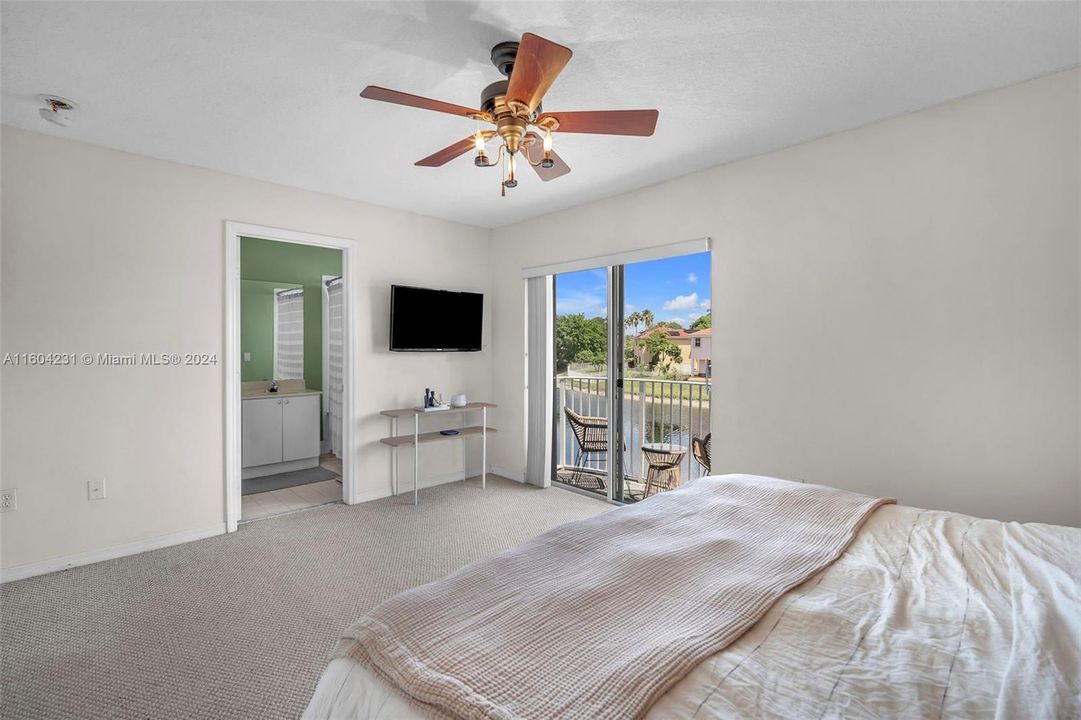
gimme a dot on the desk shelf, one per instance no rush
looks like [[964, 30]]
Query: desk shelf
[[425, 437], [416, 438]]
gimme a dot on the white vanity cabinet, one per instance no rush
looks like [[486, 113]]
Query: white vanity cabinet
[[279, 429], [300, 427]]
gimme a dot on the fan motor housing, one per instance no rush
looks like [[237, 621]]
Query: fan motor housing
[[492, 100], [492, 97]]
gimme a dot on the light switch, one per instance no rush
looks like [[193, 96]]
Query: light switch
[[95, 489], [247, 357]]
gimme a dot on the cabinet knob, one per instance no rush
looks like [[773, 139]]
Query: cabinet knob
[[286, 402], [279, 402]]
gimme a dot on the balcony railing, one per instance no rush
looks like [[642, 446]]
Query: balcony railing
[[654, 411]]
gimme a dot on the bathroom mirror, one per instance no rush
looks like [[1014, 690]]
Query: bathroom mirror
[[271, 330]]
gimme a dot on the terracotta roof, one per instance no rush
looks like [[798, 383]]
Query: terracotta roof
[[676, 333], [704, 332]]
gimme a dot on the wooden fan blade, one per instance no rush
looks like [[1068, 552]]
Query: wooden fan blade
[[450, 152], [535, 152], [605, 122], [536, 67], [373, 92]]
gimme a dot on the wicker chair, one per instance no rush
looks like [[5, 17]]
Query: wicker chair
[[700, 449], [592, 436]]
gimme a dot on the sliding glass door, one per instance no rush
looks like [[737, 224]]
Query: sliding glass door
[[633, 352], [666, 365]]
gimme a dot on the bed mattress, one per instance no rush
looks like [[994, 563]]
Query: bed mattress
[[927, 614]]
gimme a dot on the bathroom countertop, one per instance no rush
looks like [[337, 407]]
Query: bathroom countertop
[[251, 394], [286, 388]]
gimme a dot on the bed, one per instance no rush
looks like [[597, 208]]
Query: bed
[[926, 614]]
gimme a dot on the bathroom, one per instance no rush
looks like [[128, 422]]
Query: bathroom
[[291, 376]]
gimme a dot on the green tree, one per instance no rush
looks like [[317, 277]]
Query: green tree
[[703, 322], [660, 350], [672, 324], [580, 340]]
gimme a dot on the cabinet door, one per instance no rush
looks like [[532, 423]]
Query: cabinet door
[[260, 431], [300, 427]]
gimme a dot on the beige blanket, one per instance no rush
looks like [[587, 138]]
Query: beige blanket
[[600, 617]]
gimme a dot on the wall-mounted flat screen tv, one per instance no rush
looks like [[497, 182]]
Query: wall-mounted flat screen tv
[[423, 320]]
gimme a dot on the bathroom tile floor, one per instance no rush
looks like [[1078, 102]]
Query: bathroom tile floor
[[331, 462], [276, 502]]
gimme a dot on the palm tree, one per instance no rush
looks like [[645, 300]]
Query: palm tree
[[643, 318], [632, 321]]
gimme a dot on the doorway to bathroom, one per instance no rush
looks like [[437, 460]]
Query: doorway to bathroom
[[288, 379]]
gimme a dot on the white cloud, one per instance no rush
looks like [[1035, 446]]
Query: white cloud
[[682, 302], [692, 278]]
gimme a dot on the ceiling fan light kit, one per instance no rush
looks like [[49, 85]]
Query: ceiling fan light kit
[[513, 106]]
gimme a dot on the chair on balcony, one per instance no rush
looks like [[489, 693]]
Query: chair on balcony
[[592, 436], [700, 450]]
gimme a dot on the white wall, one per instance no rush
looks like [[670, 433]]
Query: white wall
[[895, 308], [110, 252]]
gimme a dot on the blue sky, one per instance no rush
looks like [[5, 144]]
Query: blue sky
[[673, 288]]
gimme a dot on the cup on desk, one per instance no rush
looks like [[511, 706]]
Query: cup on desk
[[459, 400]]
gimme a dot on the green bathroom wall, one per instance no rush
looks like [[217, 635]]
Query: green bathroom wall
[[257, 327], [265, 264]]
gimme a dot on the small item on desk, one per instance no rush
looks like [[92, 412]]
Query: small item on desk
[[448, 432], [458, 401], [431, 404]]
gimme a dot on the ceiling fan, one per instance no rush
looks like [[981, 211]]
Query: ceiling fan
[[513, 106]]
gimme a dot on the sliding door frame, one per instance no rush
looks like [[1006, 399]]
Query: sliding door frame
[[614, 384], [614, 264]]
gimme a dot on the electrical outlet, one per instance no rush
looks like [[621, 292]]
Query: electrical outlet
[[95, 489], [9, 500]]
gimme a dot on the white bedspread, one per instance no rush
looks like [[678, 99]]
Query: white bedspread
[[927, 614]]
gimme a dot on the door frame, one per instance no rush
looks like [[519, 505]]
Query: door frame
[[232, 356]]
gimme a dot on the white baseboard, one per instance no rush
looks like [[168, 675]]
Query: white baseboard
[[516, 476], [405, 484], [18, 572]]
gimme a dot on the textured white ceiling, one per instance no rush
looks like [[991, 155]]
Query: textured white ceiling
[[269, 90]]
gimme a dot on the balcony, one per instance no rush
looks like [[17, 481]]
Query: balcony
[[654, 411]]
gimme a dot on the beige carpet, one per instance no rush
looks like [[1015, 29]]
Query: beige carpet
[[240, 626]]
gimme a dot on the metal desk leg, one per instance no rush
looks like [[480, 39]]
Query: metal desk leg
[[483, 446], [394, 464], [416, 454]]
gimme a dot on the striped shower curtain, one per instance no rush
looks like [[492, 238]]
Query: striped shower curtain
[[332, 386], [289, 334]]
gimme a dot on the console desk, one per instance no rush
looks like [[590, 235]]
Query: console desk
[[416, 438]]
